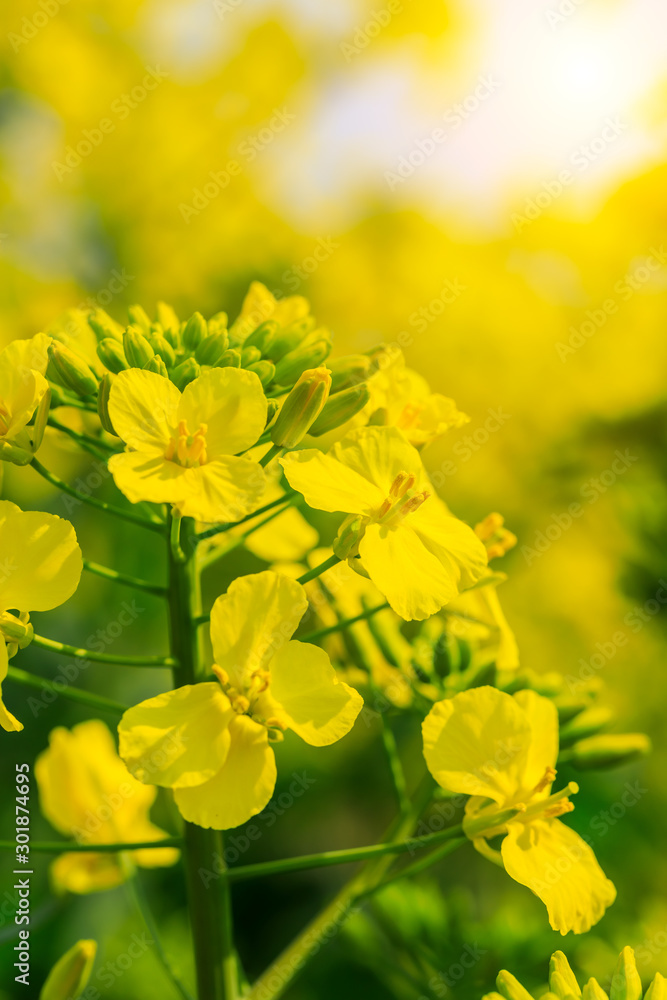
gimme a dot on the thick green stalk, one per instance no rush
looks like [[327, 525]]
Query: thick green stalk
[[210, 906]]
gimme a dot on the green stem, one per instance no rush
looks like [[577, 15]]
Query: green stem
[[126, 515], [209, 906], [272, 453], [91, 654], [67, 691], [144, 909], [66, 847], [395, 766], [318, 570], [210, 532], [124, 578], [85, 440], [177, 553], [423, 863], [321, 633], [275, 980]]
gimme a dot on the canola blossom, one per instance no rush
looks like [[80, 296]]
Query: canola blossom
[[23, 388], [414, 550], [222, 767], [501, 750], [40, 568]]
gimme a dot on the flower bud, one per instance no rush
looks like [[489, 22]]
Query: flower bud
[[137, 349], [607, 750], [593, 991], [302, 407], [218, 323], [41, 420], [167, 318], [586, 723], [211, 348], [14, 630], [103, 325], [294, 364], [194, 332], [658, 988], [349, 371], [265, 372], [230, 359], [562, 980], [625, 981], [139, 318], [185, 373], [157, 365], [340, 408], [69, 976], [162, 347], [111, 354], [72, 371], [264, 336], [271, 410], [349, 535], [103, 403], [511, 988], [249, 355]]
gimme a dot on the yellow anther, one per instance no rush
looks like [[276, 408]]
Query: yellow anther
[[275, 723], [386, 507], [182, 449], [403, 482], [414, 503], [240, 704], [497, 539], [221, 674], [565, 806], [546, 780], [188, 449]]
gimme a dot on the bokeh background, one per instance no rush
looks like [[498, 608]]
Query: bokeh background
[[482, 183]]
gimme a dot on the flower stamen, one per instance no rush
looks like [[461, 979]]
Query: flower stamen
[[186, 449]]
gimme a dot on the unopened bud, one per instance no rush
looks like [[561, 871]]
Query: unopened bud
[[194, 332], [218, 323], [72, 371], [625, 981], [111, 354], [70, 975], [41, 419], [510, 987], [103, 402], [658, 988], [250, 355], [14, 630], [103, 325], [294, 364], [301, 408], [264, 336], [289, 338], [211, 348], [137, 349], [139, 317], [264, 371], [593, 991], [562, 980], [340, 408], [348, 537], [157, 365], [272, 408], [608, 750], [230, 359], [167, 318], [185, 373], [587, 723], [162, 348], [349, 371]]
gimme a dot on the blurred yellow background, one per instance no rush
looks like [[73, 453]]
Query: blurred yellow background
[[482, 183]]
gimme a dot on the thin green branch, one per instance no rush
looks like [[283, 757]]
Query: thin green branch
[[85, 440], [70, 847], [395, 766], [126, 515], [143, 906], [423, 863], [272, 453], [64, 690], [321, 633], [219, 529], [90, 654], [124, 578], [318, 570]]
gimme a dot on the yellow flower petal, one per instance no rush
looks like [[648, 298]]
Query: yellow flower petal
[[232, 404], [559, 867], [144, 476], [143, 407], [225, 489], [477, 743], [179, 738], [21, 392], [256, 616], [242, 786], [329, 485], [26, 355], [86, 872], [8, 722], [41, 558], [542, 715], [414, 582], [454, 543], [378, 454], [319, 708]]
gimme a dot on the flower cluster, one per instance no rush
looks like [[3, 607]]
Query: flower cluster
[[219, 436]]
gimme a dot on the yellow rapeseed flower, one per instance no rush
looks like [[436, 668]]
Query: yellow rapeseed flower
[[86, 793], [212, 740], [22, 388], [182, 448], [414, 550], [502, 750], [40, 567]]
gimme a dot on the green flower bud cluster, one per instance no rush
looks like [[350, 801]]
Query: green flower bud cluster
[[624, 983]]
